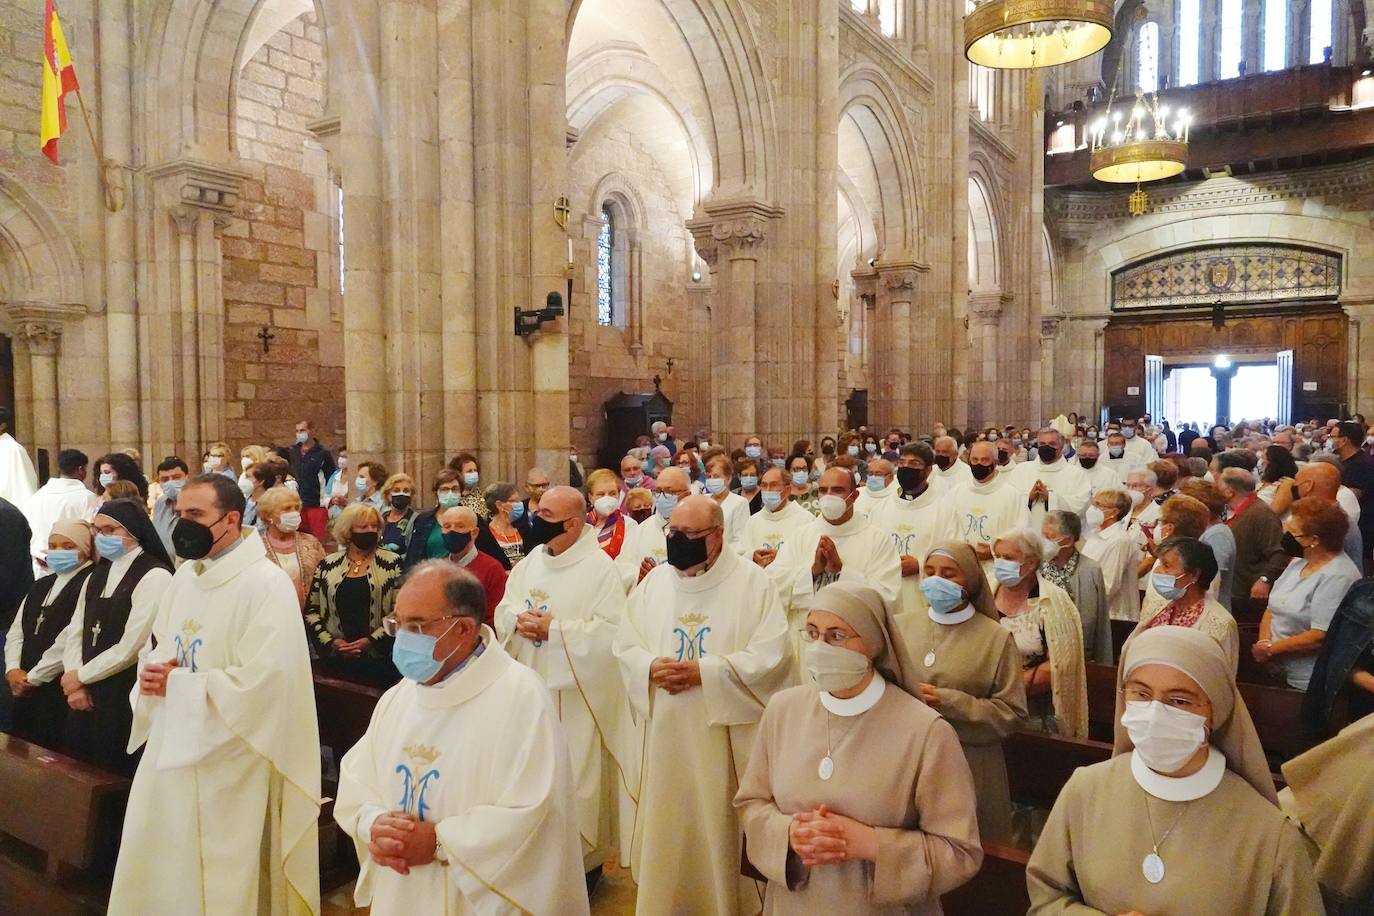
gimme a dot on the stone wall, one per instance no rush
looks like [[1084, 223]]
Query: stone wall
[[280, 253]]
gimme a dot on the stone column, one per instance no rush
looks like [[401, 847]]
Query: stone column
[[1043, 396], [39, 327], [898, 286], [121, 296], [1360, 353], [984, 401]]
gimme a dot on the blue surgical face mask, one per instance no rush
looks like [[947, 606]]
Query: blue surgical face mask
[[664, 504], [1008, 572], [778, 462], [172, 488], [1167, 586], [941, 594], [634, 481], [771, 500], [715, 485], [110, 546], [753, 451], [470, 479], [517, 511], [853, 451], [302, 438], [871, 447], [107, 479], [748, 482], [800, 478], [413, 655], [876, 484], [61, 561]]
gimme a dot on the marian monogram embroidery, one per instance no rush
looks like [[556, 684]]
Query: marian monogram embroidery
[[691, 637], [537, 602], [416, 778], [976, 523], [187, 644], [903, 538]]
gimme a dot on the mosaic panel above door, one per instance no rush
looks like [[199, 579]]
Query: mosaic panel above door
[[1245, 274]]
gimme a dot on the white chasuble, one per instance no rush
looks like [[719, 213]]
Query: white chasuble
[[646, 541], [1067, 484], [18, 481], [579, 588], [222, 814], [980, 512], [481, 756], [685, 855], [770, 530], [916, 526]]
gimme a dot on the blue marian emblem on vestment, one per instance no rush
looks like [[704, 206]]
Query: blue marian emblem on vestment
[[902, 541], [537, 602], [978, 523], [691, 637], [186, 648], [415, 779]]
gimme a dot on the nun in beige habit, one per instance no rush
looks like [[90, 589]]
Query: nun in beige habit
[[1184, 818], [857, 798], [1331, 793], [969, 671]]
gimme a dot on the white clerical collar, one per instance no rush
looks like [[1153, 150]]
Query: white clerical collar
[[953, 617], [852, 526], [1180, 788], [856, 706]]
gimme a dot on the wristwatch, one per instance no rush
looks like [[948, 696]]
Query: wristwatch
[[440, 855], [1264, 579]]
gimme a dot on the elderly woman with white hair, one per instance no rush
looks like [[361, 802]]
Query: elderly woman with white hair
[[857, 797], [1109, 542], [1081, 578], [1049, 635], [1184, 817]]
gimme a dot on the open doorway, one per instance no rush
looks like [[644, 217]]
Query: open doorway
[[1224, 389]]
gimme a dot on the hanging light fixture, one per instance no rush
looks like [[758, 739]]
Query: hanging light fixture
[[1024, 34], [1150, 144]]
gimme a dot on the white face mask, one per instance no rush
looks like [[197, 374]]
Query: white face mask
[[1165, 738], [246, 462], [1095, 517], [834, 668], [1136, 497], [605, 505], [833, 507], [289, 521], [246, 486]]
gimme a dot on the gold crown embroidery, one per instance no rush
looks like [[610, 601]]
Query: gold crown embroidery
[[191, 628], [693, 620], [422, 753], [539, 594]]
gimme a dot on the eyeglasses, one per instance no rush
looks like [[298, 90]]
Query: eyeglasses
[[1176, 700], [833, 636], [690, 533], [390, 625]]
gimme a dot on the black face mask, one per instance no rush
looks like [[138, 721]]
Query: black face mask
[[641, 515], [1048, 454], [192, 540], [542, 531], [910, 479], [1003, 458], [400, 501], [943, 462], [684, 552], [457, 541], [981, 471], [1290, 545], [366, 541], [1086, 464]]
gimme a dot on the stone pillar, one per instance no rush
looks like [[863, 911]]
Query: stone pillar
[[39, 329], [1043, 395], [121, 296], [1360, 354], [984, 400], [897, 282]]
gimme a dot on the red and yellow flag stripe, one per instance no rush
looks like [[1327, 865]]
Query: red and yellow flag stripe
[[59, 78]]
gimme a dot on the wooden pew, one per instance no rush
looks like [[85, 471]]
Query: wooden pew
[[999, 886], [65, 808], [1038, 765], [1121, 631], [344, 709]]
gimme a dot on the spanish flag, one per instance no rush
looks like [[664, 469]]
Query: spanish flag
[[59, 78]]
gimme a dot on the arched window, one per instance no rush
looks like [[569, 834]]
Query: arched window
[[1319, 34], [1189, 35], [605, 269], [1275, 34], [887, 17], [339, 217], [1147, 58], [1231, 39]]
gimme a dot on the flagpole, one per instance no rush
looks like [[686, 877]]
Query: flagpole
[[95, 147]]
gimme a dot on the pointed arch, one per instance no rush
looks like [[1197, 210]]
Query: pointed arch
[[38, 262]]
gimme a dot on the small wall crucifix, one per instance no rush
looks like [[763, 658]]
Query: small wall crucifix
[[266, 336]]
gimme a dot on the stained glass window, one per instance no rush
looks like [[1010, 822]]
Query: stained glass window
[[605, 248], [1147, 58]]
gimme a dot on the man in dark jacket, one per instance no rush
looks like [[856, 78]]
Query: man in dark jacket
[[1260, 558]]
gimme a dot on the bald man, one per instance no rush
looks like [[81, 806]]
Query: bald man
[[880, 485], [985, 505], [646, 546], [459, 528], [1323, 481], [702, 647], [559, 616], [948, 468]]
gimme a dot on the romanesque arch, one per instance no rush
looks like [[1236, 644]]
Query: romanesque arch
[[872, 119]]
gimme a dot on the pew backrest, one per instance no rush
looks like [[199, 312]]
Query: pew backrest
[[999, 886], [344, 709], [1038, 765]]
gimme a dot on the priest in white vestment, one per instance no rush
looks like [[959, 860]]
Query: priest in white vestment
[[779, 519], [916, 519], [17, 478], [562, 607], [1139, 449], [65, 496], [1100, 474], [222, 815], [1116, 457], [985, 505], [459, 798], [1050, 483], [646, 546], [878, 488], [949, 470], [702, 647]]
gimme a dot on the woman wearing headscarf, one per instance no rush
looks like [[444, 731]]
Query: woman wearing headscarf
[[1330, 793], [969, 671], [857, 797], [36, 639], [1048, 633], [111, 623], [1184, 817]]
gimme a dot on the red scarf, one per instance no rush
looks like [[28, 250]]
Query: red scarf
[[1244, 504], [611, 533]]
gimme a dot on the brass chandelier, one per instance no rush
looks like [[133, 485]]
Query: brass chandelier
[[1025, 34]]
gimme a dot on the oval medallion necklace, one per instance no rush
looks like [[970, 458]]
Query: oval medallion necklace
[[827, 767], [1152, 866]]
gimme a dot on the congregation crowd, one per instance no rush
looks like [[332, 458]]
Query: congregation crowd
[[772, 677]]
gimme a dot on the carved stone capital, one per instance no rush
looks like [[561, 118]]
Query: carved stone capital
[[900, 278], [204, 185], [985, 307], [1049, 328], [40, 324], [738, 226]]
